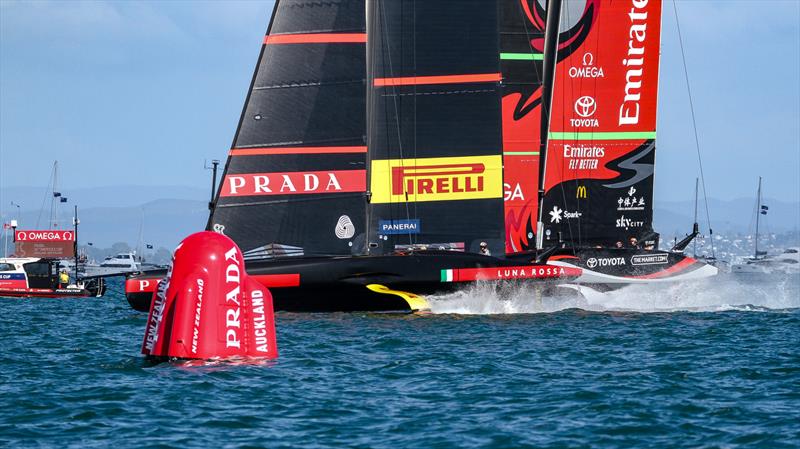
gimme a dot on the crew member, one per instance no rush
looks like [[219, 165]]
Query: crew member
[[618, 245], [485, 249], [634, 242], [63, 278]]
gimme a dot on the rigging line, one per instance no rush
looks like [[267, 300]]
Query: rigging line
[[394, 92], [530, 43], [564, 12], [369, 94], [694, 127], [44, 200], [540, 80], [414, 103]]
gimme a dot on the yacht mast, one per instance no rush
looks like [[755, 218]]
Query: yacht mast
[[551, 28], [758, 213], [696, 185]]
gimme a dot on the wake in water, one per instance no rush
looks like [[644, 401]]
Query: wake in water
[[720, 293]]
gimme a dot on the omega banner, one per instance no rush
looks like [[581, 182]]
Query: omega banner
[[48, 243]]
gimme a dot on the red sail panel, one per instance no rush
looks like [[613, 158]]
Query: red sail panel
[[521, 61], [520, 174], [600, 155], [610, 83], [521, 66]]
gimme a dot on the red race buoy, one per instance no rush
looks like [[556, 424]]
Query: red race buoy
[[207, 307]]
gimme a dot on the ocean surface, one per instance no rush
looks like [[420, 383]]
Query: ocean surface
[[714, 364]]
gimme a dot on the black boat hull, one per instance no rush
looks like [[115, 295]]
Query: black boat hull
[[612, 268], [340, 284]]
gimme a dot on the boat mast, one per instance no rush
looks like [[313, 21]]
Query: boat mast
[[54, 200], [696, 185], [370, 8], [758, 213], [75, 222], [551, 28]]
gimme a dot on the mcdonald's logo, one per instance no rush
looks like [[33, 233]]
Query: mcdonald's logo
[[581, 193]]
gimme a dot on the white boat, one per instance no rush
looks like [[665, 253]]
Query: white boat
[[125, 261], [119, 264], [763, 263], [786, 262]]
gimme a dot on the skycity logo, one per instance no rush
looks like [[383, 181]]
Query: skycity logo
[[436, 179], [626, 223]]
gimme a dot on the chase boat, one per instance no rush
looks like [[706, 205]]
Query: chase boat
[[39, 277]]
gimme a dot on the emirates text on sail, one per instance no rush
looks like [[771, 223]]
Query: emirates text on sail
[[629, 110]]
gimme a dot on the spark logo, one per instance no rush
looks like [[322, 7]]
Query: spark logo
[[436, 179]]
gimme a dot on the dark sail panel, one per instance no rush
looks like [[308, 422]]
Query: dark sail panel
[[601, 151], [295, 179], [434, 129]]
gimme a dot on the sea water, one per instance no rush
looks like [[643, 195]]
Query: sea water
[[711, 364]]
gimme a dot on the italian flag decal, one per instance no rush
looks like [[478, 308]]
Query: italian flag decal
[[447, 275]]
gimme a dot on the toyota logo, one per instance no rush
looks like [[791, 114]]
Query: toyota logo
[[591, 263], [585, 106]]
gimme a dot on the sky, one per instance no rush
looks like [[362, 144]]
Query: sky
[[130, 92]]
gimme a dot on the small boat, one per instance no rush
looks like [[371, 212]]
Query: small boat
[[125, 261], [390, 149], [37, 267], [39, 277], [787, 262], [762, 262], [118, 265]]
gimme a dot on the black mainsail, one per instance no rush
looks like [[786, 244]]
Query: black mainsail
[[434, 134], [295, 179]]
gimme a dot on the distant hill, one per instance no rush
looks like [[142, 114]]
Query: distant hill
[[162, 222], [166, 214]]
